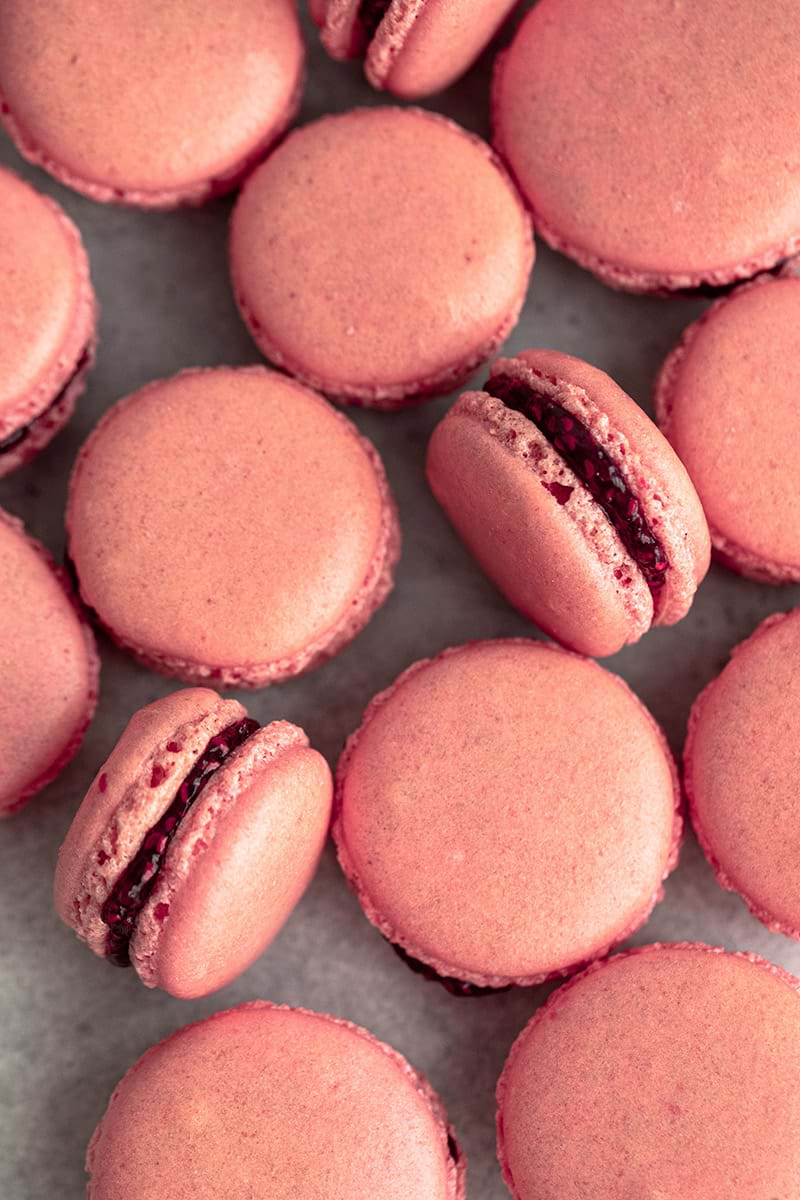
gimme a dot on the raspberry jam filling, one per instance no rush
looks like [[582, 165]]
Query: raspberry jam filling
[[19, 435], [592, 465], [370, 15], [456, 987], [134, 886]]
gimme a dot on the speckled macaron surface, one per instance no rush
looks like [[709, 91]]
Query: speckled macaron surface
[[273, 1104], [380, 254], [669, 1072], [506, 812], [657, 143], [228, 525], [728, 398], [148, 104]]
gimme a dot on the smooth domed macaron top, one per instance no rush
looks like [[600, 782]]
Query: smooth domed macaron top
[[666, 157], [506, 811], [671, 1071], [741, 767], [227, 521], [273, 1103], [380, 253], [728, 398], [48, 668], [159, 103]]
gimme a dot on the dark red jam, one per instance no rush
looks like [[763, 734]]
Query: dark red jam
[[592, 465], [134, 886], [456, 987], [19, 435], [370, 15]]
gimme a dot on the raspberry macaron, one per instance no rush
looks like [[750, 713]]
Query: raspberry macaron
[[728, 398], [274, 1103], [47, 335], [505, 813], [48, 668], [741, 765], [195, 841], [667, 1072], [571, 500], [380, 255], [410, 47], [155, 105], [657, 143], [229, 526]]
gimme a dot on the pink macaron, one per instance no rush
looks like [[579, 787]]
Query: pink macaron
[[48, 668], [410, 47], [505, 813], [151, 105], [657, 143], [727, 399], [229, 526], [571, 500], [668, 1072], [741, 772], [47, 336], [274, 1103], [345, 277], [198, 836]]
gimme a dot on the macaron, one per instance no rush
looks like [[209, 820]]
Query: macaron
[[274, 1103], [727, 399], [47, 335], [571, 500], [410, 47], [229, 526], [345, 278], [506, 812], [657, 143], [196, 839], [667, 1072], [153, 105], [741, 770], [48, 668]]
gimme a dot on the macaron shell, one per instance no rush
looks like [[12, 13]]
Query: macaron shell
[[237, 866], [603, 136], [42, 429], [741, 765], [48, 668], [341, 35], [162, 105], [667, 1072], [307, 1105]]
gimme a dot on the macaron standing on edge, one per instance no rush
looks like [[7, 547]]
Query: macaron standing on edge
[[161, 105], [195, 841], [47, 334], [380, 255], [584, 517]]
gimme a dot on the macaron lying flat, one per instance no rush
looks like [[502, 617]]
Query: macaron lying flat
[[48, 668], [571, 500], [667, 1072], [657, 142], [47, 332], [728, 398], [741, 766], [153, 105], [505, 813], [228, 525], [195, 841], [305, 1105], [345, 277], [410, 47]]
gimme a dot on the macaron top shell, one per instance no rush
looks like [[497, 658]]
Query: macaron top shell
[[728, 400], [273, 1103], [343, 274], [506, 812], [160, 104], [665, 158], [48, 668], [741, 764], [228, 524], [668, 1072]]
